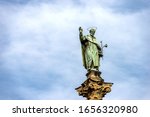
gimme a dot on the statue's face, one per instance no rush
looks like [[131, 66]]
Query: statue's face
[[92, 32]]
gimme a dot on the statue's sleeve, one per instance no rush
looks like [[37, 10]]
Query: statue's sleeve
[[99, 50], [81, 36], [82, 40]]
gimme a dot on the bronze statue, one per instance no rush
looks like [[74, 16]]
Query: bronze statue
[[91, 50], [94, 87]]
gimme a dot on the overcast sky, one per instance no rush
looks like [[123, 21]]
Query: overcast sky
[[40, 52]]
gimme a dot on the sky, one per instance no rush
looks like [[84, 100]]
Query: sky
[[40, 51]]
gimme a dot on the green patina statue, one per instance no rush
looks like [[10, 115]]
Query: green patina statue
[[91, 51]]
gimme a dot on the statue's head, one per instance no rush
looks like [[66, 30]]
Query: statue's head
[[92, 31]]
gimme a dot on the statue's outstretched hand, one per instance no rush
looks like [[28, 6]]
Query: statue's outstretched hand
[[80, 29]]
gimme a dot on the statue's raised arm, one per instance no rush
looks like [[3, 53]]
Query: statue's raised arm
[[81, 33]]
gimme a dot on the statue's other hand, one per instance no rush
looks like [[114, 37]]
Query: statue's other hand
[[80, 29], [101, 55]]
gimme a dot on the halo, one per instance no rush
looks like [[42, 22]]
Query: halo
[[95, 28]]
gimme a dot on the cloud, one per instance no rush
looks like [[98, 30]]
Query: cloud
[[121, 6], [41, 55]]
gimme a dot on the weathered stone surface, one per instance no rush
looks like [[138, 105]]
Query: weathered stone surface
[[94, 88]]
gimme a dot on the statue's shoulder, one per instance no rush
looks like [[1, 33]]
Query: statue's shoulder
[[88, 37], [92, 39]]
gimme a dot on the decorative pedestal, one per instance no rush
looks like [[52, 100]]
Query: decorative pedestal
[[94, 88]]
